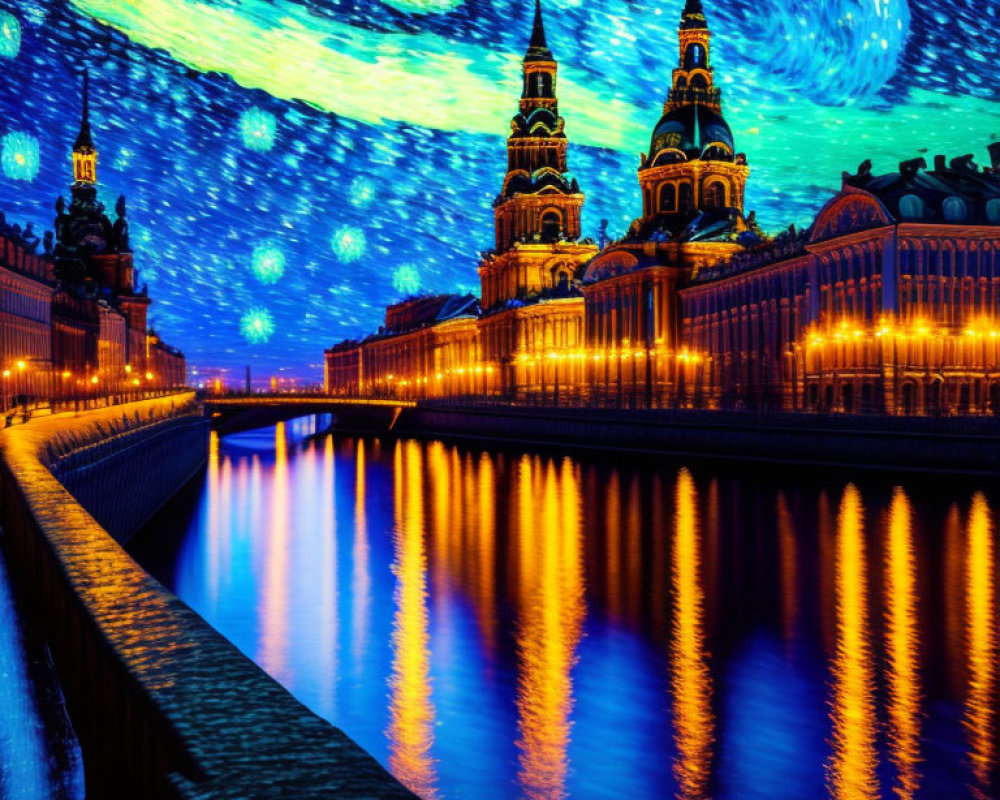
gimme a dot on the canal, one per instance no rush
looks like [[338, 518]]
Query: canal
[[504, 624]]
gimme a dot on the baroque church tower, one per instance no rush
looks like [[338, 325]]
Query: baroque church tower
[[538, 199], [692, 166], [531, 298]]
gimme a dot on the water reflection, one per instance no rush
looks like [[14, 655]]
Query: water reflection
[[499, 625], [691, 682], [980, 704], [272, 606], [851, 772], [361, 580], [551, 614], [411, 728], [901, 647]]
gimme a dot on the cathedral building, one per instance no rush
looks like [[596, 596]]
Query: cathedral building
[[692, 181], [532, 306], [525, 335], [888, 303], [73, 320]]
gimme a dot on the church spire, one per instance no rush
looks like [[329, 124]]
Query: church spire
[[538, 48], [84, 153], [84, 138], [539, 200]]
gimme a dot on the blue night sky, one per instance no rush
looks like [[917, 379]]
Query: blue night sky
[[292, 167]]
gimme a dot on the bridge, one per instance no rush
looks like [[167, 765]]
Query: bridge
[[237, 412]]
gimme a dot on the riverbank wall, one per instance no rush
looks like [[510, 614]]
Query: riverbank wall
[[944, 444], [163, 705]]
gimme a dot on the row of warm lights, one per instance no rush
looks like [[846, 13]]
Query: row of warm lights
[[684, 355], [524, 359], [93, 379], [478, 369], [919, 330]]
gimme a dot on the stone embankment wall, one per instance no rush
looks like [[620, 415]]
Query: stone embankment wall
[[163, 705]]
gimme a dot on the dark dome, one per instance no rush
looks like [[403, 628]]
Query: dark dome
[[690, 129]]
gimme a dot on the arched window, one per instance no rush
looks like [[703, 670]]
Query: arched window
[[911, 207], [694, 56], [714, 195], [551, 225], [668, 197], [993, 211], [684, 201], [698, 81], [954, 209], [682, 82]]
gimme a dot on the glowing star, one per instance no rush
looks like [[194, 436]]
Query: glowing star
[[362, 192], [257, 325], [348, 244], [257, 127], [424, 6], [19, 156], [268, 263], [406, 279], [10, 35]]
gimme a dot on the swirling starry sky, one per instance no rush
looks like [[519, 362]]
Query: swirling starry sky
[[292, 167]]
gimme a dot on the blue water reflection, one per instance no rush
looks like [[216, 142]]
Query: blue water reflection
[[501, 624], [39, 753]]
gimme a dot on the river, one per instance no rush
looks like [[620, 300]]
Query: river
[[503, 624]]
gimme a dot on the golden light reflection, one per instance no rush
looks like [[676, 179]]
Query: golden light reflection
[[903, 675], [980, 700], [213, 533], [272, 603], [411, 711], [613, 524], [329, 619], [360, 579], [789, 559], [485, 544], [550, 625], [851, 770], [691, 680], [954, 601]]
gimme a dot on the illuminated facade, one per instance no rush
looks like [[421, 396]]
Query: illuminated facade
[[27, 283], [888, 303]]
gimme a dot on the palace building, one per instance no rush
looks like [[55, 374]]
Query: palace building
[[888, 303], [73, 319]]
